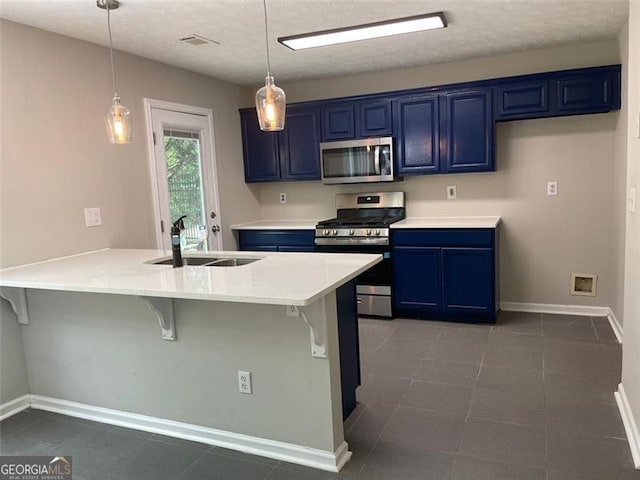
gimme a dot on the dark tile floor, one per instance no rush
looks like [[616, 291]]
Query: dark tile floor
[[528, 398]]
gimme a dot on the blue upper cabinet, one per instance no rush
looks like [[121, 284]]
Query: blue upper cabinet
[[347, 120], [578, 94], [556, 94], [292, 154], [522, 99], [338, 121], [300, 144], [467, 132], [260, 149], [417, 134], [374, 118]]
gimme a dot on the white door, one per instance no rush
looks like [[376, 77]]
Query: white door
[[183, 174]]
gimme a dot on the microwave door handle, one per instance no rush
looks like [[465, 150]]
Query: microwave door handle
[[376, 154]]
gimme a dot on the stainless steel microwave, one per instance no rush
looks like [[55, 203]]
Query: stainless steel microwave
[[357, 161]]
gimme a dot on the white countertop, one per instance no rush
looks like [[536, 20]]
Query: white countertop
[[447, 222], [277, 225], [277, 279]]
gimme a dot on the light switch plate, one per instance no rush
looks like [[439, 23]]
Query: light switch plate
[[552, 188], [452, 192], [92, 217]]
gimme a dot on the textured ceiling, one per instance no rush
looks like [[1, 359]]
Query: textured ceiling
[[151, 28]]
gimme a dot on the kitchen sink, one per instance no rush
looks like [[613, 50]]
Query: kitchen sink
[[232, 262], [186, 260], [207, 261]]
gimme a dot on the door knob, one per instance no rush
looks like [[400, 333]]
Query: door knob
[[215, 228]]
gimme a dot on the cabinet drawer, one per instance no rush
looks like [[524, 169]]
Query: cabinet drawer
[[444, 237], [302, 238]]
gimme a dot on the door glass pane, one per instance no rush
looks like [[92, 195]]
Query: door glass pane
[[184, 175]]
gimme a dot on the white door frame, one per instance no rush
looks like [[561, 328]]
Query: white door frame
[[149, 104]]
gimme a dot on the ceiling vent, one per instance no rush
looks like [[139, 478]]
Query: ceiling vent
[[197, 40]]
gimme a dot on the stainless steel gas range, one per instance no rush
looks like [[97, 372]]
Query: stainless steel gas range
[[362, 226]]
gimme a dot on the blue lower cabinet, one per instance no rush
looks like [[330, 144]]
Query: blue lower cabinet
[[296, 248], [417, 278], [444, 274], [468, 283]]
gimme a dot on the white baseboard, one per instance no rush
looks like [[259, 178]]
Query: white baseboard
[[615, 326], [630, 425], [310, 457], [555, 308], [566, 310], [14, 406]]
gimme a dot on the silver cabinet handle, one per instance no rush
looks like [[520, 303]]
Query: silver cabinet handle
[[359, 301]]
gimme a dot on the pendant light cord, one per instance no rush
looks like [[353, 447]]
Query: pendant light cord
[[266, 36], [113, 66]]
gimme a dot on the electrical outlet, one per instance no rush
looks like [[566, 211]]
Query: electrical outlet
[[552, 189], [452, 192], [283, 198], [293, 311], [92, 217], [244, 382]]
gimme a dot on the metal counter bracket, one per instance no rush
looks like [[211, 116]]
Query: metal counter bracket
[[163, 309], [17, 298]]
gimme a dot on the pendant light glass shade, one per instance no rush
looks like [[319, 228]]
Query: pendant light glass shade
[[118, 121], [271, 104], [118, 118]]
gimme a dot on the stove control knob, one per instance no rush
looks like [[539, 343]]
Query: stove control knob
[[368, 232], [351, 232], [377, 232], [326, 232], [335, 232]]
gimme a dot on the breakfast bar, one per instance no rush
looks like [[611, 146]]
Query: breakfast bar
[[121, 337]]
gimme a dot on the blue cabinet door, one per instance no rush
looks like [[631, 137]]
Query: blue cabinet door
[[260, 150], [467, 132], [374, 118], [417, 135], [417, 281], [300, 144], [585, 93], [468, 280], [528, 99], [338, 121]]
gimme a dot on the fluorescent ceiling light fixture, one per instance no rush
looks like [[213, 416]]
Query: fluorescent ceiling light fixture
[[367, 31]]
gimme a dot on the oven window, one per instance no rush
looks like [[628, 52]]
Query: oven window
[[349, 162]]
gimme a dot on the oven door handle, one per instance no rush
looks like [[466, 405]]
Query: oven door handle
[[376, 159]]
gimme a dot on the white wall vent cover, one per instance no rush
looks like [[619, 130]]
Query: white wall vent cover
[[194, 39]]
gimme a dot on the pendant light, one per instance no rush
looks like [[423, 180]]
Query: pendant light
[[271, 102], [118, 118]]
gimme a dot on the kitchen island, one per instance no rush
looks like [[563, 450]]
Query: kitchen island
[[112, 337]]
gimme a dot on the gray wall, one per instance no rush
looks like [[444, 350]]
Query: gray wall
[[56, 159], [544, 239]]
